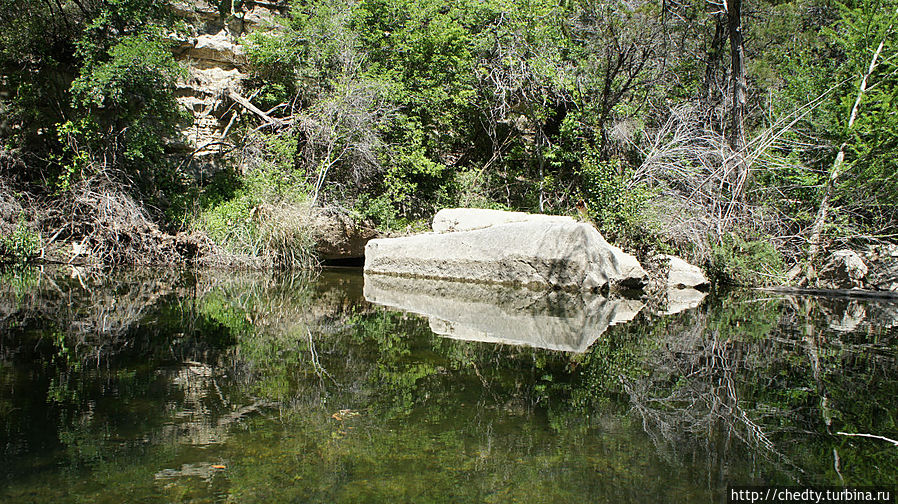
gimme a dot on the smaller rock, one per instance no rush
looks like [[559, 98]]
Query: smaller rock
[[845, 269], [80, 249], [794, 272], [681, 274]]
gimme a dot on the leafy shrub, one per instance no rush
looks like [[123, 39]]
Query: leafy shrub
[[228, 223], [379, 210], [616, 203], [20, 246], [739, 261], [416, 185], [126, 109], [471, 192]]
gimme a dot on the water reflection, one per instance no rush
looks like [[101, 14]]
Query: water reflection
[[774, 378], [564, 321], [202, 386], [680, 300]]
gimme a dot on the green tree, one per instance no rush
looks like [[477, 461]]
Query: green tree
[[127, 110], [866, 34], [91, 88]]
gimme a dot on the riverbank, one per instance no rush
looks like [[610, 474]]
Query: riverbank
[[105, 227]]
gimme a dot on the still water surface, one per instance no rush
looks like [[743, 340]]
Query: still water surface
[[148, 386]]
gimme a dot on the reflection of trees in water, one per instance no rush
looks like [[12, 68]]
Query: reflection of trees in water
[[692, 394], [134, 336], [285, 328], [775, 378], [744, 378], [91, 311], [98, 310], [740, 380]]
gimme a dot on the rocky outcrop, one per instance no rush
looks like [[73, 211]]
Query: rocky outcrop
[[562, 321], [216, 66], [340, 237], [845, 269], [874, 270], [537, 253]]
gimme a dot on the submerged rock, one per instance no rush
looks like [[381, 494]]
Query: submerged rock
[[542, 253], [563, 321]]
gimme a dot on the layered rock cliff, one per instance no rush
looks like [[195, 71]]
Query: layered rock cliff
[[216, 66]]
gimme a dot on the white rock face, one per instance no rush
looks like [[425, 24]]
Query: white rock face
[[469, 219], [538, 253], [683, 275], [213, 55]]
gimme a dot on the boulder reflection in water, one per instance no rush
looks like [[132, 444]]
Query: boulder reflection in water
[[564, 321]]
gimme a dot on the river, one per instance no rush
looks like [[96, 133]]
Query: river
[[186, 386]]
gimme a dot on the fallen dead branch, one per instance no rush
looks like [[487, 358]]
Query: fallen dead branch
[[871, 436], [255, 110]]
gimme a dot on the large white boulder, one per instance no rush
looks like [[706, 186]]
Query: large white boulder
[[469, 219], [539, 253]]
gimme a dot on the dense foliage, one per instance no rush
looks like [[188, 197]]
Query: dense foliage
[[88, 89], [680, 125]]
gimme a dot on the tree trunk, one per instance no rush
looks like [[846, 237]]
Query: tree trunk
[[737, 128], [837, 169], [712, 60], [737, 52], [540, 146]]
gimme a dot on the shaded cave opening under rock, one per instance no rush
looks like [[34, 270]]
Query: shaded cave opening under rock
[[344, 262]]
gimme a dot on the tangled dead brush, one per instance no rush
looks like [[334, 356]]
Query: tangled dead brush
[[702, 186], [104, 224], [11, 209]]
